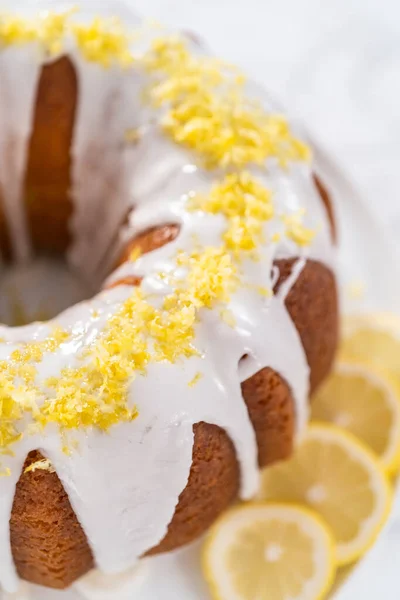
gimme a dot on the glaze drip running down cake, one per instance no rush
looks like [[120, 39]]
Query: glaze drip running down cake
[[164, 178]]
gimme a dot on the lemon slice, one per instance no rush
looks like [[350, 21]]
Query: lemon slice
[[269, 552], [340, 478], [365, 402], [374, 338]]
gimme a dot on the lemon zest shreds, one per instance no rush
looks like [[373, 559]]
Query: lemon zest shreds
[[246, 204], [187, 74], [228, 317], [264, 291], [209, 112], [276, 237], [18, 391], [52, 29], [96, 393], [40, 465], [49, 30], [103, 41], [231, 131], [195, 379], [167, 54], [296, 231], [135, 253], [16, 30], [211, 277]]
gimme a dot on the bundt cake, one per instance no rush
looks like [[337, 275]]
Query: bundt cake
[[130, 421]]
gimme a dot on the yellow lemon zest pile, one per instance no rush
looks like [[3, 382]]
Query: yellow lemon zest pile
[[246, 204], [231, 131], [103, 41], [18, 391], [96, 393], [211, 277], [16, 30], [186, 74], [296, 230], [52, 29], [209, 112]]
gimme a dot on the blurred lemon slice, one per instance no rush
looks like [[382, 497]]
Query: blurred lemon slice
[[337, 476], [365, 402], [269, 552], [374, 338]]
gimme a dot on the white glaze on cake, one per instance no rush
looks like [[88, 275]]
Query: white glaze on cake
[[16, 116], [148, 460]]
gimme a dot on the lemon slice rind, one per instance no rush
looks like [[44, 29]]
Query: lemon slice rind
[[384, 322], [373, 526], [379, 343], [347, 552], [390, 459]]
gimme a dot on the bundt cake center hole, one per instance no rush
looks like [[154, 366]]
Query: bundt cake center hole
[[39, 290]]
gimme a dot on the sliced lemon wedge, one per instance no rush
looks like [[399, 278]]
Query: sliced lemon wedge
[[364, 401], [341, 479], [269, 552], [373, 338]]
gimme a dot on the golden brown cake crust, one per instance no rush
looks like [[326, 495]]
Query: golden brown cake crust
[[313, 306], [271, 409], [129, 280], [213, 484], [149, 240], [48, 544], [48, 180], [323, 192], [5, 243], [48, 170]]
